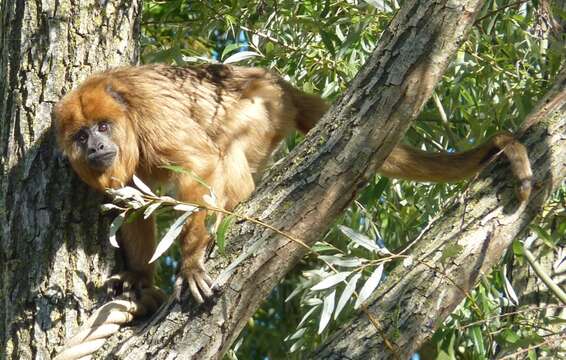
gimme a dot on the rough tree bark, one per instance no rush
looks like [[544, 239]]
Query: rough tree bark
[[48, 212], [305, 193], [54, 250], [475, 231]]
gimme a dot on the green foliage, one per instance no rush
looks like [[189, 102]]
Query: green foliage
[[508, 62]]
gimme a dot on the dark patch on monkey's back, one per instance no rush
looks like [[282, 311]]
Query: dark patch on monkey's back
[[174, 73], [219, 75], [215, 74]]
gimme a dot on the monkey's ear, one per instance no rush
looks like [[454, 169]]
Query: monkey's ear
[[117, 94]]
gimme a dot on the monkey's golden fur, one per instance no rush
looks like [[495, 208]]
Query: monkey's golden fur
[[223, 123]]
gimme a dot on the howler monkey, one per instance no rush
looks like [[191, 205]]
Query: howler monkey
[[221, 122]]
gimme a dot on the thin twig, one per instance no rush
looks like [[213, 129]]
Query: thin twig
[[542, 343], [517, 312], [444, 119], [543, 276], [491, 13]]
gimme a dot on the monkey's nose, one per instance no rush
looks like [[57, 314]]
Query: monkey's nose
[[97, 147]]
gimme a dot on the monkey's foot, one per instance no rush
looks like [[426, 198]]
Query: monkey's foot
[[200, 284], [151, 299], [128, 283]]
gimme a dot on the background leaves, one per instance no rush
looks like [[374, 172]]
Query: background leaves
[[509, 60]]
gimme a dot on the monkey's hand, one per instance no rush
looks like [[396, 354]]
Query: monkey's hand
[[136, 286], [200, 284], [128, 283]]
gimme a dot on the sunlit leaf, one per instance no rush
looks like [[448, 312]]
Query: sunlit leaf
[[331, 281], [221, 232], [108, 207], [369, 286], [297, 334], [296, 291], [359, 239], [170, 236], [341, 261], [347, 294], [240, 56], [509, 288], [313, 301], [327, 309], [478, 340], [185, 207], [297, 345], [142, 186], [307, 315], [150, 209], [114, 226]]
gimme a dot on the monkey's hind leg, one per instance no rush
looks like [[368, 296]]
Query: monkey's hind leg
[[231, 182], [195, 239], [137, 242], [193, 248]]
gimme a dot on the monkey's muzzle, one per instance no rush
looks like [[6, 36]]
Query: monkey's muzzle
[[101, 160]]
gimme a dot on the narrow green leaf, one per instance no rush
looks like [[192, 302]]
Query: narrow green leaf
[[331, 281], [307, 315], [221, 232], [150, 209], [478, 340], [327, 309], [369, 286], [170, 236], [359, 239], [142, 186], [347, 294], [114, 226]]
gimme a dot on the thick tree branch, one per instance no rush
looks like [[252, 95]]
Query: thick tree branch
[[476, 231], [306, 193]]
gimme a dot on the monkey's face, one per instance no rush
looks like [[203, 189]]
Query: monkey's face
[[94, 132], [96, 146]]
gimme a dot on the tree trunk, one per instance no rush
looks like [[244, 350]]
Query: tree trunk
[[306, 192], [54, 251], [450, 255]]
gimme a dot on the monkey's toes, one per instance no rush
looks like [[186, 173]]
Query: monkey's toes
[[151, 299], [127, 283], [200, 284]]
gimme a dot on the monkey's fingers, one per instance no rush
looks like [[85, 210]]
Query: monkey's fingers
[[114, 286], [194, 289], [127, 283], [203, 281], [209, 281], [199, 282]]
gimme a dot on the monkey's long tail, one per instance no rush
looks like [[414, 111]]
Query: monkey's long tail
[[409, 163], [405, 162]]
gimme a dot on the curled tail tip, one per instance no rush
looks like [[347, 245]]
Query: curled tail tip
[[525, 189]]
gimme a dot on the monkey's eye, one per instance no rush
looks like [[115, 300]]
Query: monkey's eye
[[103, 127], [82, 137]]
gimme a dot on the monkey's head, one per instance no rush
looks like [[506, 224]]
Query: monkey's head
[[95, 132]]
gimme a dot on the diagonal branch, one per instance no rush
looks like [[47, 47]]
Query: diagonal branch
[[476, 232], [305, 193]]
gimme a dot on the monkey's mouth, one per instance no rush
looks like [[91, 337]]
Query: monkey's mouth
[[101, 161]]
